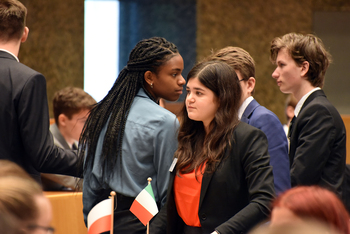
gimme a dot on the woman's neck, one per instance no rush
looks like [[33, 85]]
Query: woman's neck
[[150, 95]]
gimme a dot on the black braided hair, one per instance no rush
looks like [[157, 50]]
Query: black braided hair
[[147, 55]]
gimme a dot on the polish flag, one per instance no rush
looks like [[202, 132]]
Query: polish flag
[[99, 218], [145, 207]]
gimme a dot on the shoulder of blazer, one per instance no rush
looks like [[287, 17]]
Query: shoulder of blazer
[[12, 63], [250, 108], [244, 132], [312, 96], [5, 55]]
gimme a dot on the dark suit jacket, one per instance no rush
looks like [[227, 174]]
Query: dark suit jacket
[[318, 145], [236, 196], [346, 187], [264, 119], [24, 122]]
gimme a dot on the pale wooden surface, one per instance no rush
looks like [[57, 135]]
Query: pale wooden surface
[[67, 212]]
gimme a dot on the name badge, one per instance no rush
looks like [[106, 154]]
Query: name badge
[[172, 166]]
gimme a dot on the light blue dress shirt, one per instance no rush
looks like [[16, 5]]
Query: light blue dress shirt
[[149, 143]]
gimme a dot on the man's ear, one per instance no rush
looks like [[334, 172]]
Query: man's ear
[[25, 34], [148, 76], [251, 84], [62, 118], [304, 68]]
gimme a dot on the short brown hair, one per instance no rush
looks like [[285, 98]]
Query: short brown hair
[[71, 100], [304, 48], [12, 19], [238, 58]]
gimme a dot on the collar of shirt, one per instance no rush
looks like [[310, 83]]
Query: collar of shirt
[[10, 54], [244, 106], [302, 100]]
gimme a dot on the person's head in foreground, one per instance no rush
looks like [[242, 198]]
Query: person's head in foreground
[[24, 209], [9, 168], [306, 227], [310, 202]]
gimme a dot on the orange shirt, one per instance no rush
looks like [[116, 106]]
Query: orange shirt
[[187, 190]]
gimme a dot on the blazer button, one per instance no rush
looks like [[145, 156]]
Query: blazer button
[[203, 216]]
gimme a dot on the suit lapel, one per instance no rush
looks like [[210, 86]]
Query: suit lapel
[[312, 96], [205, 184], [249, 111], [294, 125]]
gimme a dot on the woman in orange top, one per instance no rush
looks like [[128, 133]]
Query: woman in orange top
[[222, 181]]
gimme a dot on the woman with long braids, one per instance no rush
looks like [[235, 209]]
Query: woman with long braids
[[222, 182], [128, 137]]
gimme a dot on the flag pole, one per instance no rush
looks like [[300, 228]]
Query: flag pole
[[112, 213], [149, 179]]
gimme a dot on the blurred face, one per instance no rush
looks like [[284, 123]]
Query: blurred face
[[282, 216], [74, 126], [247, 86], [201, 102], [42, 224], [168, 83], [287, 74], [244, 86]]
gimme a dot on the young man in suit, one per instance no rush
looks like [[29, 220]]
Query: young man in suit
[[24, 118], [317, 133], [253, 113], [71, 108]]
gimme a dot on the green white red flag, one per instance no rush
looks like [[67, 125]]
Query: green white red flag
[[145, 207]]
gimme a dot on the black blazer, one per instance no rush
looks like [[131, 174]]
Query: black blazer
[[236, 196], [24, 122], [318, 145]]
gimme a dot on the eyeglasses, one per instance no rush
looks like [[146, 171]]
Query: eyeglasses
[[241, 80], [33, 227]]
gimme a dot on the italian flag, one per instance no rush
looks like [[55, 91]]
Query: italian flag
[[145, 207], [99, 218]]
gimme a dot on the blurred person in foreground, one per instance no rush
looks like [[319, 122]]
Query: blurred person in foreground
[[24, 209], [9, 168], [306, 227], [310, 203]]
